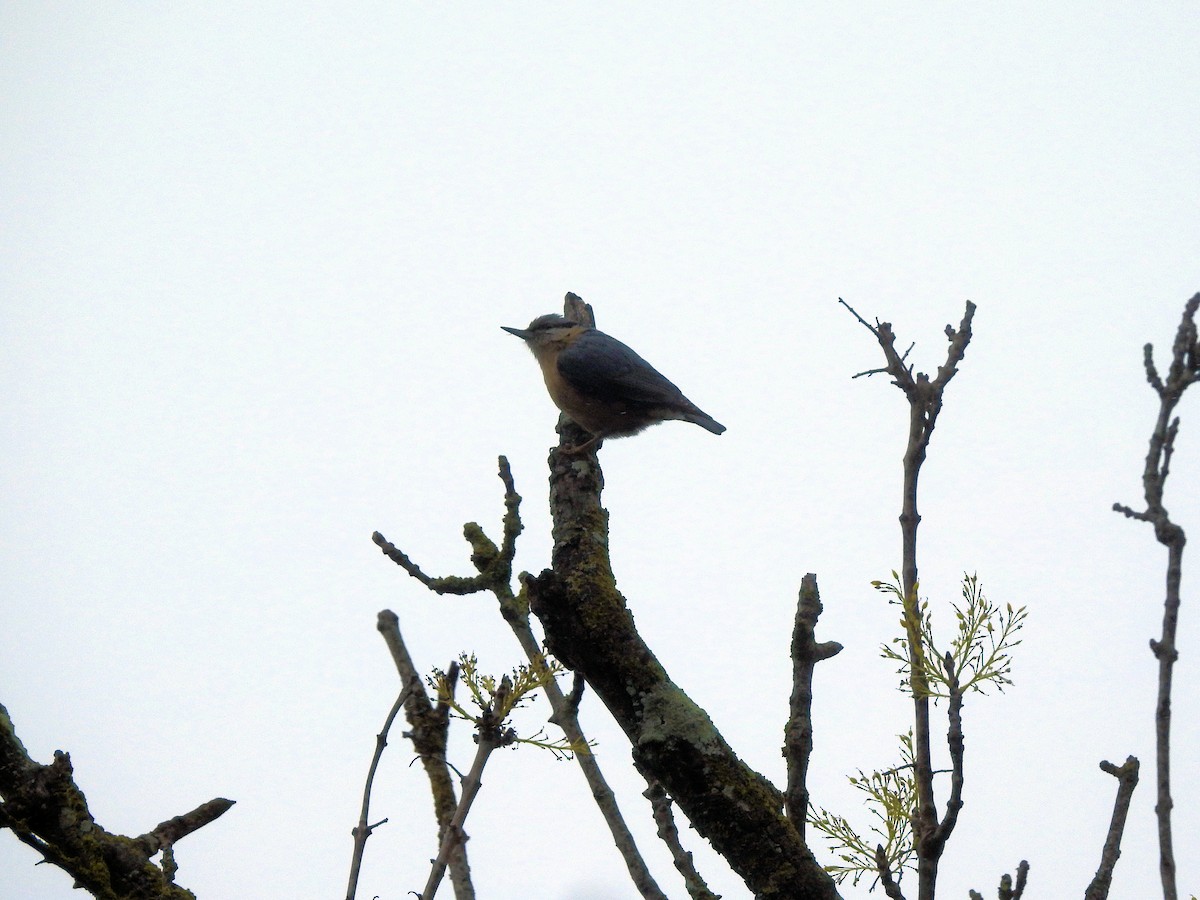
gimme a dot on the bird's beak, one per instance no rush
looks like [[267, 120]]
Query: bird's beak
[[519, 332]]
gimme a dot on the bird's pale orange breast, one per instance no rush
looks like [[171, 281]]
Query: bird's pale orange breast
[[588, 413]]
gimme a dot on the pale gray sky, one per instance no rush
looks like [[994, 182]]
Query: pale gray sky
[[254, 265]]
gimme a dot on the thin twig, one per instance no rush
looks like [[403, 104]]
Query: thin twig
[[874, 329], [446, 585], [565, 709], [566, 716], [363, 830], [660, 808]]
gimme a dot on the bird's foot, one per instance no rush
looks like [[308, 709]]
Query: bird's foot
[[574, 449]]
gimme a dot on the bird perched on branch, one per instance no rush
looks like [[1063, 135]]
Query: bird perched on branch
[[602, 385]]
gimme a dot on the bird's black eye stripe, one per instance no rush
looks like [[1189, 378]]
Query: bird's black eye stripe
[[548, 323]]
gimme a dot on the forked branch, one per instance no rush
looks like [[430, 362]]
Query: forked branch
[[44, 808], [924, 397]]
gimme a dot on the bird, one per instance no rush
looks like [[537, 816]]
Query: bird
[[603, 385]]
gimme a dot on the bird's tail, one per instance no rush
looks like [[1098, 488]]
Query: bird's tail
[[704, 420]]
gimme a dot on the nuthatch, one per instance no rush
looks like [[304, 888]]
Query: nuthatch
[[602, 385]]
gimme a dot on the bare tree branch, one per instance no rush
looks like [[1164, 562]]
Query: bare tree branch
[[1127, 778], [565, 710], [45, 809], [798, 735], [1183, 371]]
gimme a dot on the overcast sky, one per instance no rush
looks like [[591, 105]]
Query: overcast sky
[[254, 265]]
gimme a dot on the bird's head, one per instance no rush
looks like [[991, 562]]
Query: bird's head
[[548, 332]]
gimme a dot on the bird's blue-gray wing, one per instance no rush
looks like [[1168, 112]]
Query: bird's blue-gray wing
[[602, 367]]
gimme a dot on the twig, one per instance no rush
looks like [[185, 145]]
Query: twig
[[660, 808], [957, 747], [363, 830], [798, 735], [1183, 371], [167, 833], [447, 585], [1127, 778], [925, 405], [573, 699]]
